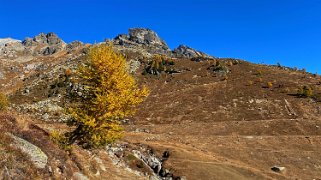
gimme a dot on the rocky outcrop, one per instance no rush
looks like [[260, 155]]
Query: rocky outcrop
[[142, 37], [44, 44], [74, 46], [188, 52], [146, 37], [47, 39]]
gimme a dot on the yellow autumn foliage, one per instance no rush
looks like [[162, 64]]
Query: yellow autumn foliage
[[112, 94], [3, 101]]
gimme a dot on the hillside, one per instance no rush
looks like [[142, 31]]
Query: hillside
[[206, 117]]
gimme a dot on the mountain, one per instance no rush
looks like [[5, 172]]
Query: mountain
[[206, 117], [4, 41]]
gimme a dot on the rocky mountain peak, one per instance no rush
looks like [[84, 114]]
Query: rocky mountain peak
[[42, 38], [51, 43], [188, 52], [4, 41], [146, 36]]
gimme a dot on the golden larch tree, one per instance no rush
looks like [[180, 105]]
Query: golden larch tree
[[110, 94]]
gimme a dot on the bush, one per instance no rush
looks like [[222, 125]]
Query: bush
[[219, 67], [60, 140], [229, 63], [258, 73], [259, 80], [269, 84], [3, 102], [158, 65], [111, 95], [305, 91], [250, 83]]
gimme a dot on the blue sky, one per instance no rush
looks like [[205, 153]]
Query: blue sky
[[260, 31]]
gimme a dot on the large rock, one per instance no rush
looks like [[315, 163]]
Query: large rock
[[37, 156], [188, 52]]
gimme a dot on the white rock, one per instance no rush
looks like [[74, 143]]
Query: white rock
[[37, 156]]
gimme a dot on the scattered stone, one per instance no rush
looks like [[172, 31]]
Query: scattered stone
[[166, 155], [289, 108], [278, 169], [133, 66], [1, 75], [152, 161], [79, 176]]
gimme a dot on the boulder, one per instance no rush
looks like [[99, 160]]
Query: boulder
[[133, 66], [37, 156]]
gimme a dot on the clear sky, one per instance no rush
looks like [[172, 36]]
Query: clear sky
[[261, 31]]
